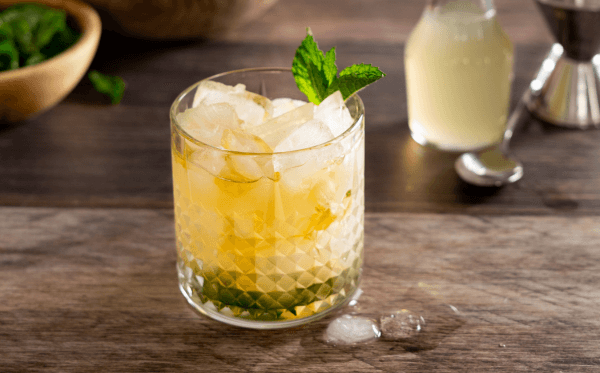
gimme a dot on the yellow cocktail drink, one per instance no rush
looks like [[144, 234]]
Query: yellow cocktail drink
[[267, 235]]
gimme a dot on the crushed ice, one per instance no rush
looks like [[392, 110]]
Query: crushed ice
[[284, 124], [232, 118]]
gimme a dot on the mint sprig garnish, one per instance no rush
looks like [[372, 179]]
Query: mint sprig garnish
[[316, 74], [354, 78]]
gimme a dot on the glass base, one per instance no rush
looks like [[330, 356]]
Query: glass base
[[420, 139], [209, 310]]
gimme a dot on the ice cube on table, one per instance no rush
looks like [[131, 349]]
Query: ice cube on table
[[348, 329], [276, 129], [333, 112], [250, 107], [308, 134], [206, 123], [283, 105]]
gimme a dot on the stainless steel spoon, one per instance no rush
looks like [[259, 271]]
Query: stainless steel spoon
[[493, 166]]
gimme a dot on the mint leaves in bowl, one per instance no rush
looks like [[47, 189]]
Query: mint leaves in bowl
[[31, 33], [46, 46]]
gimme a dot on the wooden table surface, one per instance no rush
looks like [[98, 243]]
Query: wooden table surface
[[506, 278]]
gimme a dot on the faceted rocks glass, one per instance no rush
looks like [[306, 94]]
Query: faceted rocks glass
[[268, 240]]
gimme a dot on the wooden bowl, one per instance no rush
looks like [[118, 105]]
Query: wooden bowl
[[28, 91], [178, 19]]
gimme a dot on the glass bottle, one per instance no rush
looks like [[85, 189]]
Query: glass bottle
[[458, 64]]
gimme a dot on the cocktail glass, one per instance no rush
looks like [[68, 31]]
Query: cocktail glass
[[268, 240]]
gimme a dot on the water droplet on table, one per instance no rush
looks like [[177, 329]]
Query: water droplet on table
[[401, 324]]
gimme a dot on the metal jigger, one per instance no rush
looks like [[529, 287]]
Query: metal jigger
[[569, 97]]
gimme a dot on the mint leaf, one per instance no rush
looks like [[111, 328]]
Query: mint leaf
[[354, 78], [35, 58], [9, 56], [49, 24], [307, 68], [23, 36], [112, 86], [316, 75], [329, 67]]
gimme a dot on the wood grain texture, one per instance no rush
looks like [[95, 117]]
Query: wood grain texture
[[178, 18], [93, 287], [87, 153], [87, 290], [387, 21]]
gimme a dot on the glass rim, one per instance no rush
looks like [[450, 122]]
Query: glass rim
[[357, 121]]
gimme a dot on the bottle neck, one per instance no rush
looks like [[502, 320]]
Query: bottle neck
[[484, 5], [485, 8]]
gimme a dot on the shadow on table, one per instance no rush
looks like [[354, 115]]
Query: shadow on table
[[307, 345], [407, 172]]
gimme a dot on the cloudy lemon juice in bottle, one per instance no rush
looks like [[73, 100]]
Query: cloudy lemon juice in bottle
[[458, 65]]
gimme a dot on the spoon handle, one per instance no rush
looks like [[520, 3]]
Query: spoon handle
[[515, 119], [532, 91]]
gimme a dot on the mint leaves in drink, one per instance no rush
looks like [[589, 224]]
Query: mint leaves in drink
[[316, 73]]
